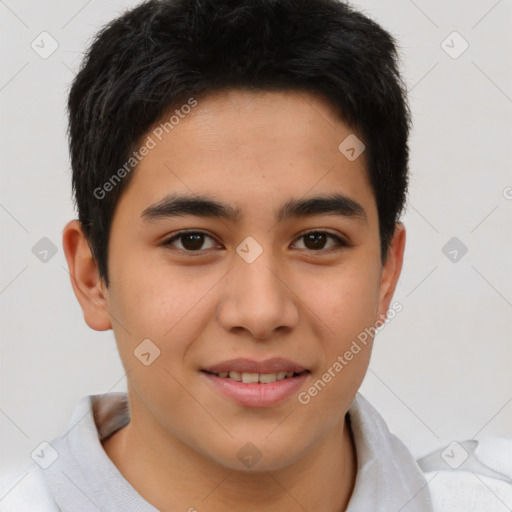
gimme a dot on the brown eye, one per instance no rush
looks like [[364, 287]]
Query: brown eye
[[316, 240], [190, 241]]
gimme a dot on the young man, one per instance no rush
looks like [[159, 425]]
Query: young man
[[239, 170]]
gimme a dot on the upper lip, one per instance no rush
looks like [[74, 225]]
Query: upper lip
[[273, 365]]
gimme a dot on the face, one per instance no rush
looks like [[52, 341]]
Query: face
[[275, 288]]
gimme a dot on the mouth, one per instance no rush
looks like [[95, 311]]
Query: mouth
[[256, 384], [256, 378]]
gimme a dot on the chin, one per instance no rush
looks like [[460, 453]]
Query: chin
[[256, 457]]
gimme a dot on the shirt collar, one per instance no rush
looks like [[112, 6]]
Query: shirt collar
[[84, 478], [388, 478]]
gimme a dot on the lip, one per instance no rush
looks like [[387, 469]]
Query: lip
[[257, 394], [244, 365]]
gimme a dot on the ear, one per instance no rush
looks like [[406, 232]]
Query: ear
[[391, 269], [89, 289]]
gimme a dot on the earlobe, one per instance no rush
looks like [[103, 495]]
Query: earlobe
[[89, 288], [391, 269]]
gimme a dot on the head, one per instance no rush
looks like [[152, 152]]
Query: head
[[235, 121]]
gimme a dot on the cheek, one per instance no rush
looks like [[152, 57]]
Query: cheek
[[152, 297], [347, 309], [346, 303], [166, 305], [346, 300]]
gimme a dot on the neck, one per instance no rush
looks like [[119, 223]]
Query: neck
[[172, 476]]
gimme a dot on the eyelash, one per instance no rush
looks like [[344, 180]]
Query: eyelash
[[340, 242]]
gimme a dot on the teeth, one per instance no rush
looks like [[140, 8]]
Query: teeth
[[249, 378], [252, 378], [268, 378]]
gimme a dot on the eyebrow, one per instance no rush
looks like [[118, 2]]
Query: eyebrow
[[176, 205]]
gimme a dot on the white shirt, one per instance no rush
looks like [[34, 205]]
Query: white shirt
[[73, 473]]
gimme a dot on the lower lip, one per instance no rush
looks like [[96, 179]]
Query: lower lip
[[256, 394]]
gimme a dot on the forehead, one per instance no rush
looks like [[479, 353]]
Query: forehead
[[249, 148]]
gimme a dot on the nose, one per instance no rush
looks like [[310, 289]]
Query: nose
[[258, 300]]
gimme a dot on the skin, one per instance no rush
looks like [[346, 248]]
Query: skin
[[255, 151]]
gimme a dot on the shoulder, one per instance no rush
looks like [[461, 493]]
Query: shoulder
[[470, 476], [26, 491]]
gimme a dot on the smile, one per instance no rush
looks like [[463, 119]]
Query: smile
[[256, 390], [253, 378]]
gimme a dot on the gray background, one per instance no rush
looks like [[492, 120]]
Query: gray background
[[440, 370]]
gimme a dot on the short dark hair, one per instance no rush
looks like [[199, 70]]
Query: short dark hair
[[159, 54]]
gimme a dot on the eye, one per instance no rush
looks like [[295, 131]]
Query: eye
[[190, 241], [315, 240], [194, 241]]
